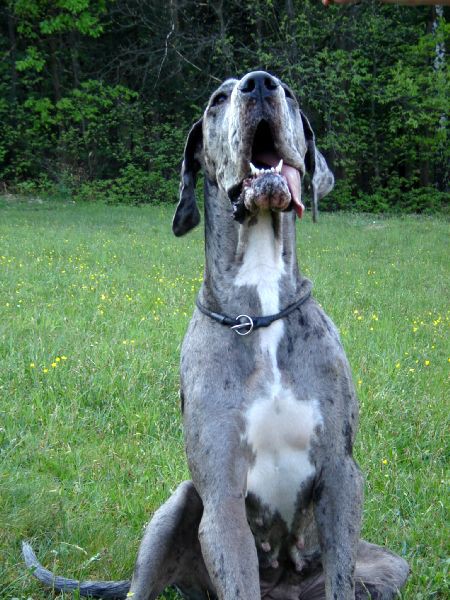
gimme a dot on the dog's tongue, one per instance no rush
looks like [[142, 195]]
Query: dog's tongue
[[292, 177]]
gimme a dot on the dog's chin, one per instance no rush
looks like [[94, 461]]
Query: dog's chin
[[267, 191]]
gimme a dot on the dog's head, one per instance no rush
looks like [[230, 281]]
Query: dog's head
[[254, 143]]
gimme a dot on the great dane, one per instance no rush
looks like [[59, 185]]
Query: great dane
[[273, 510]]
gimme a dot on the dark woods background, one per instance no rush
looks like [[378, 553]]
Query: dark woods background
[[96, 97]]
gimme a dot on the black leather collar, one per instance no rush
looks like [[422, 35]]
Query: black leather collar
[[245, 324]]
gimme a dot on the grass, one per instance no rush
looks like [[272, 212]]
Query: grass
[[94, 302]]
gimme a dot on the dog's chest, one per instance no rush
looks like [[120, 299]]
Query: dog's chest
[[279, 427]]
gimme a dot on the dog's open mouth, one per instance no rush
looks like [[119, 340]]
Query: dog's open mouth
[[271, 184]]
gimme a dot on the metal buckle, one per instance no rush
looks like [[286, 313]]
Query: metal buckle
[[241, 324]]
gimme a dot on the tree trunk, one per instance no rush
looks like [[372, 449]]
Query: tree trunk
[[292, 42], [439, 51], [441, 175], [12, 54], [54, 67], [174, 16], [73, 41], [228, 55]]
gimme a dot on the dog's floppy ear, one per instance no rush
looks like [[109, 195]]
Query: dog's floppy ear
[[322, 178], [187, 215], [310, 157]]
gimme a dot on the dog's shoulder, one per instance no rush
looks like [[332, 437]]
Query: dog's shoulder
[[313, 353], [310, 329]]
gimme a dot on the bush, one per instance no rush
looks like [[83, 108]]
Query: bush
[[394, 198], [426, 199], [133, 186]]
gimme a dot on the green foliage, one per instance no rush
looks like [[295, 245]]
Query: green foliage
[[103, 149], [134, 185], [98, 124], [99, 96], [396, 198], [33, 59], [47, 17]]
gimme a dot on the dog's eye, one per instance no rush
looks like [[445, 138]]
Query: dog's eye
[[288, 93], [219, 99]]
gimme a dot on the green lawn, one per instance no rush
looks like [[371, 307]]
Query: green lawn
[[94, 302]]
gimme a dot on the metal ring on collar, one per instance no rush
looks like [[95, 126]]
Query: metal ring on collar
[[241, 324]]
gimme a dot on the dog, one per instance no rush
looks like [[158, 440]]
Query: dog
[[270, 413]]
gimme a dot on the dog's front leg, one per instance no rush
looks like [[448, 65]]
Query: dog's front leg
[[229, 549], [219, 466], [337, 509]]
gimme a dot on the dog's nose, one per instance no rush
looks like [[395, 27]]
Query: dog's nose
[[258, 84]]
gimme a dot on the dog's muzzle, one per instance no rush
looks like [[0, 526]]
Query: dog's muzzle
[[271, 183]]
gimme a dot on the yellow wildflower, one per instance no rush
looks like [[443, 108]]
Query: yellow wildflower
[[427, 363], [32, 366], [384, 461], [54, 364]]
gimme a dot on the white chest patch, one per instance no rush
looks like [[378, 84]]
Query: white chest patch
[[279, 427], [262, 264]]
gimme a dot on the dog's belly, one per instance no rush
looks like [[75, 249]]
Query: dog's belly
[[279, 432]]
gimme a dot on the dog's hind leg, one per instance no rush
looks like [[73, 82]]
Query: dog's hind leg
[[379, 575], [170, 553]]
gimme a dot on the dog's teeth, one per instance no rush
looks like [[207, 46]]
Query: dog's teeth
[[253, 169]]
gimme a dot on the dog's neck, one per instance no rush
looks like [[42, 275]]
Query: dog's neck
[[251, 267]]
